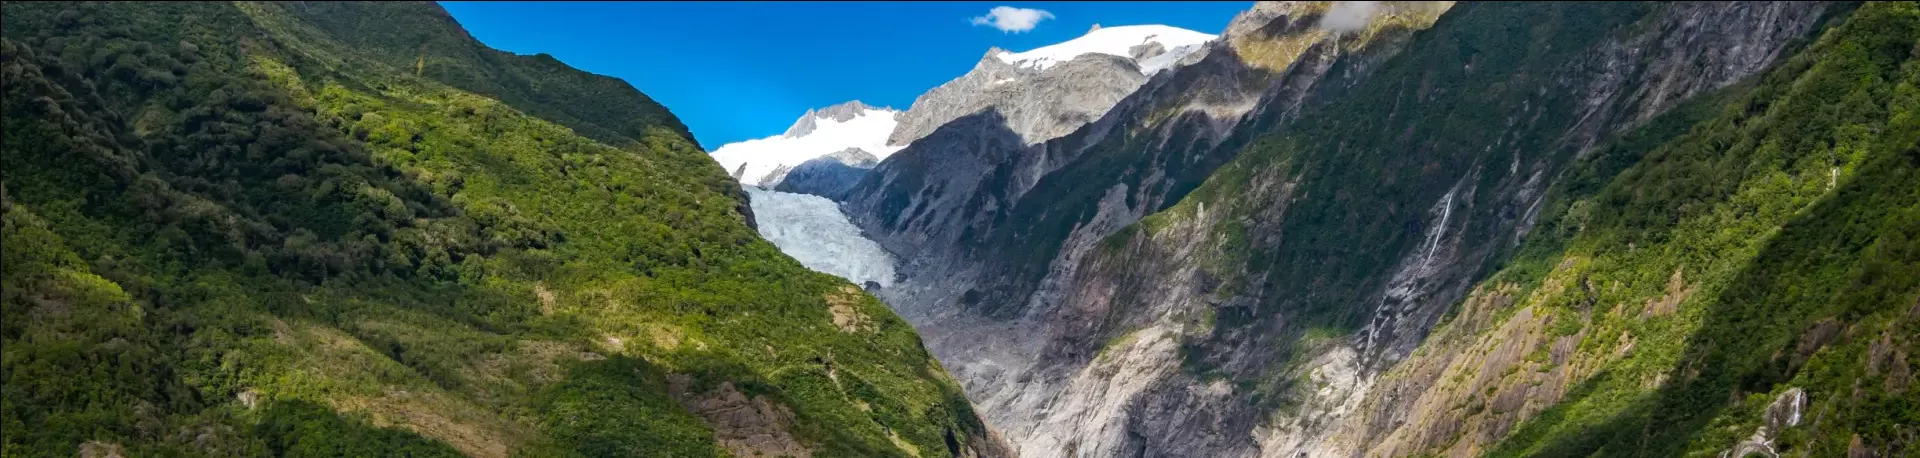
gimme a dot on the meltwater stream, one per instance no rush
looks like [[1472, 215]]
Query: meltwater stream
[[812, 230]]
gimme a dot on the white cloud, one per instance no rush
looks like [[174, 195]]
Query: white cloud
[[1348, 16], [1010, 19]]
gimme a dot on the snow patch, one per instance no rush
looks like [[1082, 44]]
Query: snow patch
[[813, 231], [1114, 41], [867, 131], [1166, 60]]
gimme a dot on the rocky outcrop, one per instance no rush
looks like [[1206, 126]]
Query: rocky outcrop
[[838, 113], [828, 176], [1037, 104], [1784, 412], [744, 426], [774, 177], [1052, 90]]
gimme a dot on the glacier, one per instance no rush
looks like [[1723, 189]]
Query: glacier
[[815, 232]]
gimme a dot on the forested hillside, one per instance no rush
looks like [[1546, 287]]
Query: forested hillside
[[300, 229]]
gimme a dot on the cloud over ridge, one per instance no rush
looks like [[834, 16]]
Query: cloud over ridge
[[1013, 20], [1348, 16]]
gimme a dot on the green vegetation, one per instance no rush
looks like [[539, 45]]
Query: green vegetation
[[242, 229], [620, 407], [300, 428], [429, 42], [1790, 225]]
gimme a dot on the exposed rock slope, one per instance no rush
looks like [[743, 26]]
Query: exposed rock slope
[[979, 216], [1369, 189], [1265, 303], [1047, 92], [828, 176]]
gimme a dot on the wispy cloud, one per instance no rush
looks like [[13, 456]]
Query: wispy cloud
[[1012, 20], [1348, 16]]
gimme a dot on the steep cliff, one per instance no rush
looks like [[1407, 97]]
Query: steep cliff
[[828, 176], [1267, 304], [1740, 276], [989, 225], [1360, 178]]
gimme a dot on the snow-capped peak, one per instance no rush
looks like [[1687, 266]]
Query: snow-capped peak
[[1121, 41], [838, 113], [817, 133]]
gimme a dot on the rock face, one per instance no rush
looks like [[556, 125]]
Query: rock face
[[1037, 105], [744, 426], [828, 176], [1785, 412], [1082, 333], [993, 227], [1038, 95], [1053, 91], [838, 113], [1188, 273]]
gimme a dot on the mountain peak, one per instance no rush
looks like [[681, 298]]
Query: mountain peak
[[820, 132], [994, 51], [842, 112]]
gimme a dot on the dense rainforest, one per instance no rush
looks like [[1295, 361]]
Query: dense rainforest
[[349, 229]]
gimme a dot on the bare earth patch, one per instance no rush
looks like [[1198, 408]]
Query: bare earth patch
[[745, 427], [1677, 291], [336, 362], [98, 449], [437, 416], [547, 299], [531, 363], [846, 315]]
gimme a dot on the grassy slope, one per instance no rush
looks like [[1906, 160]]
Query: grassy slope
[[210, 205], [429, 42]]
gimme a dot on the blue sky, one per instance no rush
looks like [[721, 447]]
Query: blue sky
[[741, 70]]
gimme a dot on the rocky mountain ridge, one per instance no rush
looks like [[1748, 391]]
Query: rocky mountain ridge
[[1050, 91], [968, 267], [828, 176], [1255, 317], [1464, 223], [821, 132]]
